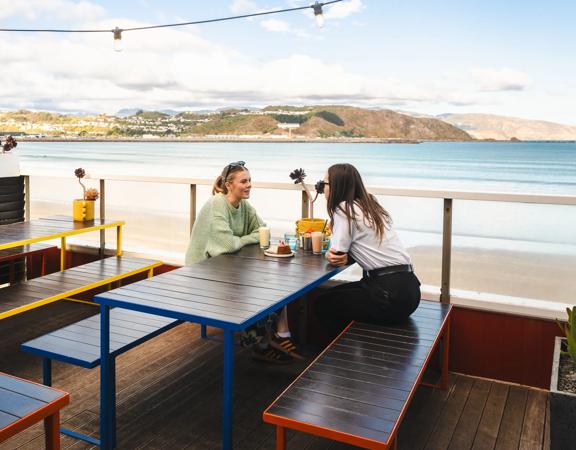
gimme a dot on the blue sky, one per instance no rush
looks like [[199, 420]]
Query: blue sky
[[511, 58]]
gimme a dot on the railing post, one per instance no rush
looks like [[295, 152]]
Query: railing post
[[26, 198], [446, 251], [305, 205], [192, 206], [102, 216]]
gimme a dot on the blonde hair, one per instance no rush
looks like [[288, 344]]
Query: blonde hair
[[230, 171]]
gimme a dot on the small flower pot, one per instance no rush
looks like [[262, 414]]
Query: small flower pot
[[83, 210], [562, 403]]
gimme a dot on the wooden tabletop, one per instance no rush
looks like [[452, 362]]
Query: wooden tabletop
[[44, 229], [228, 291], [23, 403]]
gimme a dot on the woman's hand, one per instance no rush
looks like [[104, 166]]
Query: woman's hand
[[335, 259]]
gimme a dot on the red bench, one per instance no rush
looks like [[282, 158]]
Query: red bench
[[24, 403], [358, 390]]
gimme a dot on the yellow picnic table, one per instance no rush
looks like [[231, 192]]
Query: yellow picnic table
[[55, 227]]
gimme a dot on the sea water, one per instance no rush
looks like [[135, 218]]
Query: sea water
[[521, 167]]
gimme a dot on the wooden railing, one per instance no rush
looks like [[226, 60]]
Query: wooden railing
[[447, 196]]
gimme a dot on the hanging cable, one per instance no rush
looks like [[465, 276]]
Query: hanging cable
[[317, 7]]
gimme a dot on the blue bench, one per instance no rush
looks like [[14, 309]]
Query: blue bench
[[79, 344]]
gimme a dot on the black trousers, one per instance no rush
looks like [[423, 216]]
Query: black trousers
[[379, 300]]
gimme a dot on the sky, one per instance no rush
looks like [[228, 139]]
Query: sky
[[511, 57]]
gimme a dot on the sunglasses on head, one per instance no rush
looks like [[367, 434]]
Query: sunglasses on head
[[231, 166]]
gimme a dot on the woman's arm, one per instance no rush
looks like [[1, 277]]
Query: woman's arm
[[254, 223], [222, 239], [341, 241]]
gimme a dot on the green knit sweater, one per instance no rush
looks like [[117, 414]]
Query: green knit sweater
[[221, 228]]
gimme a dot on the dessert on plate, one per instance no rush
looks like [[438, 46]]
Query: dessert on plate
[[281, 249]]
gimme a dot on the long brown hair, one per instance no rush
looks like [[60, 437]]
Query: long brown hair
[[227, 175], [346, 186]]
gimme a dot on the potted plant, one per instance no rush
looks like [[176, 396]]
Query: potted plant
[[9, 165], [563, 386], [306, 226], [83, 209], [11, 184]]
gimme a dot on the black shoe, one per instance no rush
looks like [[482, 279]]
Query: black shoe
[[285, 345], [271, 355]]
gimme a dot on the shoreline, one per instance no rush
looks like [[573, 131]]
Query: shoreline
[[282, 140], [238, 139]]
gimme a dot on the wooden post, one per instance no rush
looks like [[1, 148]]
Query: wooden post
[[102, 216], [26, 198], [192, 206], [305, 205], [446, 251]]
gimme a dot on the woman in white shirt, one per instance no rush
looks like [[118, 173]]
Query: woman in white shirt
[[362, 231]]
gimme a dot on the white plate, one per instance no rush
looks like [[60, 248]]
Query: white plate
[[276, 255]]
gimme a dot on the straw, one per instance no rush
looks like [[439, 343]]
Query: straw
[[324, 227]]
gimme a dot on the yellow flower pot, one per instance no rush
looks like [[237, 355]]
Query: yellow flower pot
[[304, 225], [83, 210]]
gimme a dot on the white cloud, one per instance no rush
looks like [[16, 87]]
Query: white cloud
[[343, 9], [504, 79], [173, 69], [67, 10], [243, 6]]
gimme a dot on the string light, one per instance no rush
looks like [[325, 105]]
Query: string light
[[318, 14], [117, 39], [117, 32]]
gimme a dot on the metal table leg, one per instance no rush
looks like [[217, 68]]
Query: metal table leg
[[228, 389]]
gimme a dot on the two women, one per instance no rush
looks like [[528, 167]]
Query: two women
[[361, 231], [225, 224]]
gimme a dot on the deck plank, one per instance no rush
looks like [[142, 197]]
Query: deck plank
[[533, 427], [511, 425], [467, 425], [491, 417]]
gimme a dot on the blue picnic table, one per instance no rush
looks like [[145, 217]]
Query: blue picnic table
[[230, 292]]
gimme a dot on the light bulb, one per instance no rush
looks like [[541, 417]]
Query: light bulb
[[318, 15], [117, 39]]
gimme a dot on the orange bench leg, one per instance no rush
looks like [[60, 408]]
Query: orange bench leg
[[280, 438], [52, 427], [444, 378]]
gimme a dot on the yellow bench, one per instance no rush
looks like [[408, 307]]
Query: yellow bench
[[31, 294]]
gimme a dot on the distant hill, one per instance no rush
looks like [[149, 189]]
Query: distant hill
[[348, 121], [489, 126], [332, 122], [326, 122]]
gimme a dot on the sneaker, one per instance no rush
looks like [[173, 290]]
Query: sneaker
[[271, 355], [285, 345]]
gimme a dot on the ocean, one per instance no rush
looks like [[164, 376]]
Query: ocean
[[522, 167]]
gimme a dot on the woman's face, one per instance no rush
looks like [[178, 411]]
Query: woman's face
[[240, 185], [326, 186]]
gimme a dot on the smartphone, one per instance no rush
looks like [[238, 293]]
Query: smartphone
[[339, 253]]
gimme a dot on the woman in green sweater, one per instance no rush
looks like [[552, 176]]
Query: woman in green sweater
[[226, 223]]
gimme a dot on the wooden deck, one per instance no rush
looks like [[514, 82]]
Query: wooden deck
[[170, 396]]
